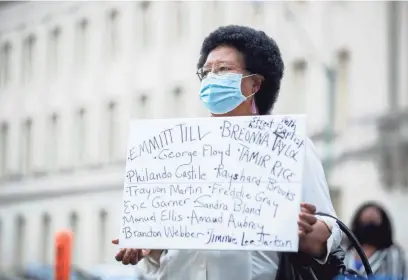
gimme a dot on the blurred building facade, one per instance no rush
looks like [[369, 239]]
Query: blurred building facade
[[72, 75]]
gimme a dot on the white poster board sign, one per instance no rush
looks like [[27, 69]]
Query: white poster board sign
[[214, 183]]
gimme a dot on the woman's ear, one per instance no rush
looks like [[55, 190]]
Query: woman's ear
[[255, 89], [258, 80]]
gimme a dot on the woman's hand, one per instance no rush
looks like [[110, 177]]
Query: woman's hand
[[133, 256], [129, 256], [313, 233], [306, 219]]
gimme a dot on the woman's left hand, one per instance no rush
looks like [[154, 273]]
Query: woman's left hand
[[306, 219], [313, 233]]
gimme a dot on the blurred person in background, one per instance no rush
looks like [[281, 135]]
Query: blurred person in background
[[372, 227], [240, 70]]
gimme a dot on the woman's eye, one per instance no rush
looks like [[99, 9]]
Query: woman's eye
[[224, 68], [204, 73]]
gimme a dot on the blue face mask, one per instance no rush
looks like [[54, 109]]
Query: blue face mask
[[222, 93]]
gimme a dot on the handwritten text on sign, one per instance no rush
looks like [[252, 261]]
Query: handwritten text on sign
[[214, 183]]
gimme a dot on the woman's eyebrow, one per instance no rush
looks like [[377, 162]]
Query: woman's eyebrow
[[219, 61]]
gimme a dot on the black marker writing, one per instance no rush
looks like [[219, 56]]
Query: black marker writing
[[281, 172], [220, 238], [263, 199], [129, 207], [230, 191], [129, 233], [253, 156], [283, 132], [145, 175], [155, 143], [245, 223], [261, 124], [289, 122], [170, 215], [234, 131], [168, 154], [130, 219], [144, 191], [190, 172], [205, 201], [266, 239], [185, 190], [163, 202], [285, 149], [190, 133], [199, 219], [273, 186], [241, 207], [209, 150], [180, 231], [225, 186], [240, 177]]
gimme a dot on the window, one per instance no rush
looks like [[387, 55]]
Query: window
[[342, 90], [145, 7], [112, 131], [335, 195], [390, 154], [257, 9], [54, 52], [103, 215], [82, 43], [28, 58], [143, 106], [386, 165], [5, 64], [113, 32], [216, 12], [299, 86], [179, 19], [81, 135], [19, 245], [178, 100], [26, 145], [53, 142], [46, 238], [404, 163], [1, 243], [73, 221], [4, 138]]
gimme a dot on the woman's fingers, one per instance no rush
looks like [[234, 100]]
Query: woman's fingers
[[310, 208], [128, 256], [131, 256], [119, 256], [135, 257], [308, 218], [304, 228]]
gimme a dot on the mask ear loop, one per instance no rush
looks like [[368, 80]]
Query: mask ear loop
[[254, 110]]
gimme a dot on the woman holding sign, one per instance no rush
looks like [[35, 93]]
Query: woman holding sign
[[240, 70]]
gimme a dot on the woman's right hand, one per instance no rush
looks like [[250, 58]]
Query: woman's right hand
[[128, 255], [133, 256]]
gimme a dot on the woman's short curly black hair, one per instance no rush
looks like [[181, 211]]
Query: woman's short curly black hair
[[261, 56]]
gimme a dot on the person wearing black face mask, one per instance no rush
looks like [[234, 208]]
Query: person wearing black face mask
[[372, 227]]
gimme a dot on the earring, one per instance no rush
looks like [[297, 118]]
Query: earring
[[253, 107]]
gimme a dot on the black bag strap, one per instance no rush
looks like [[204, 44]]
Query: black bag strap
[[353, 240]]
